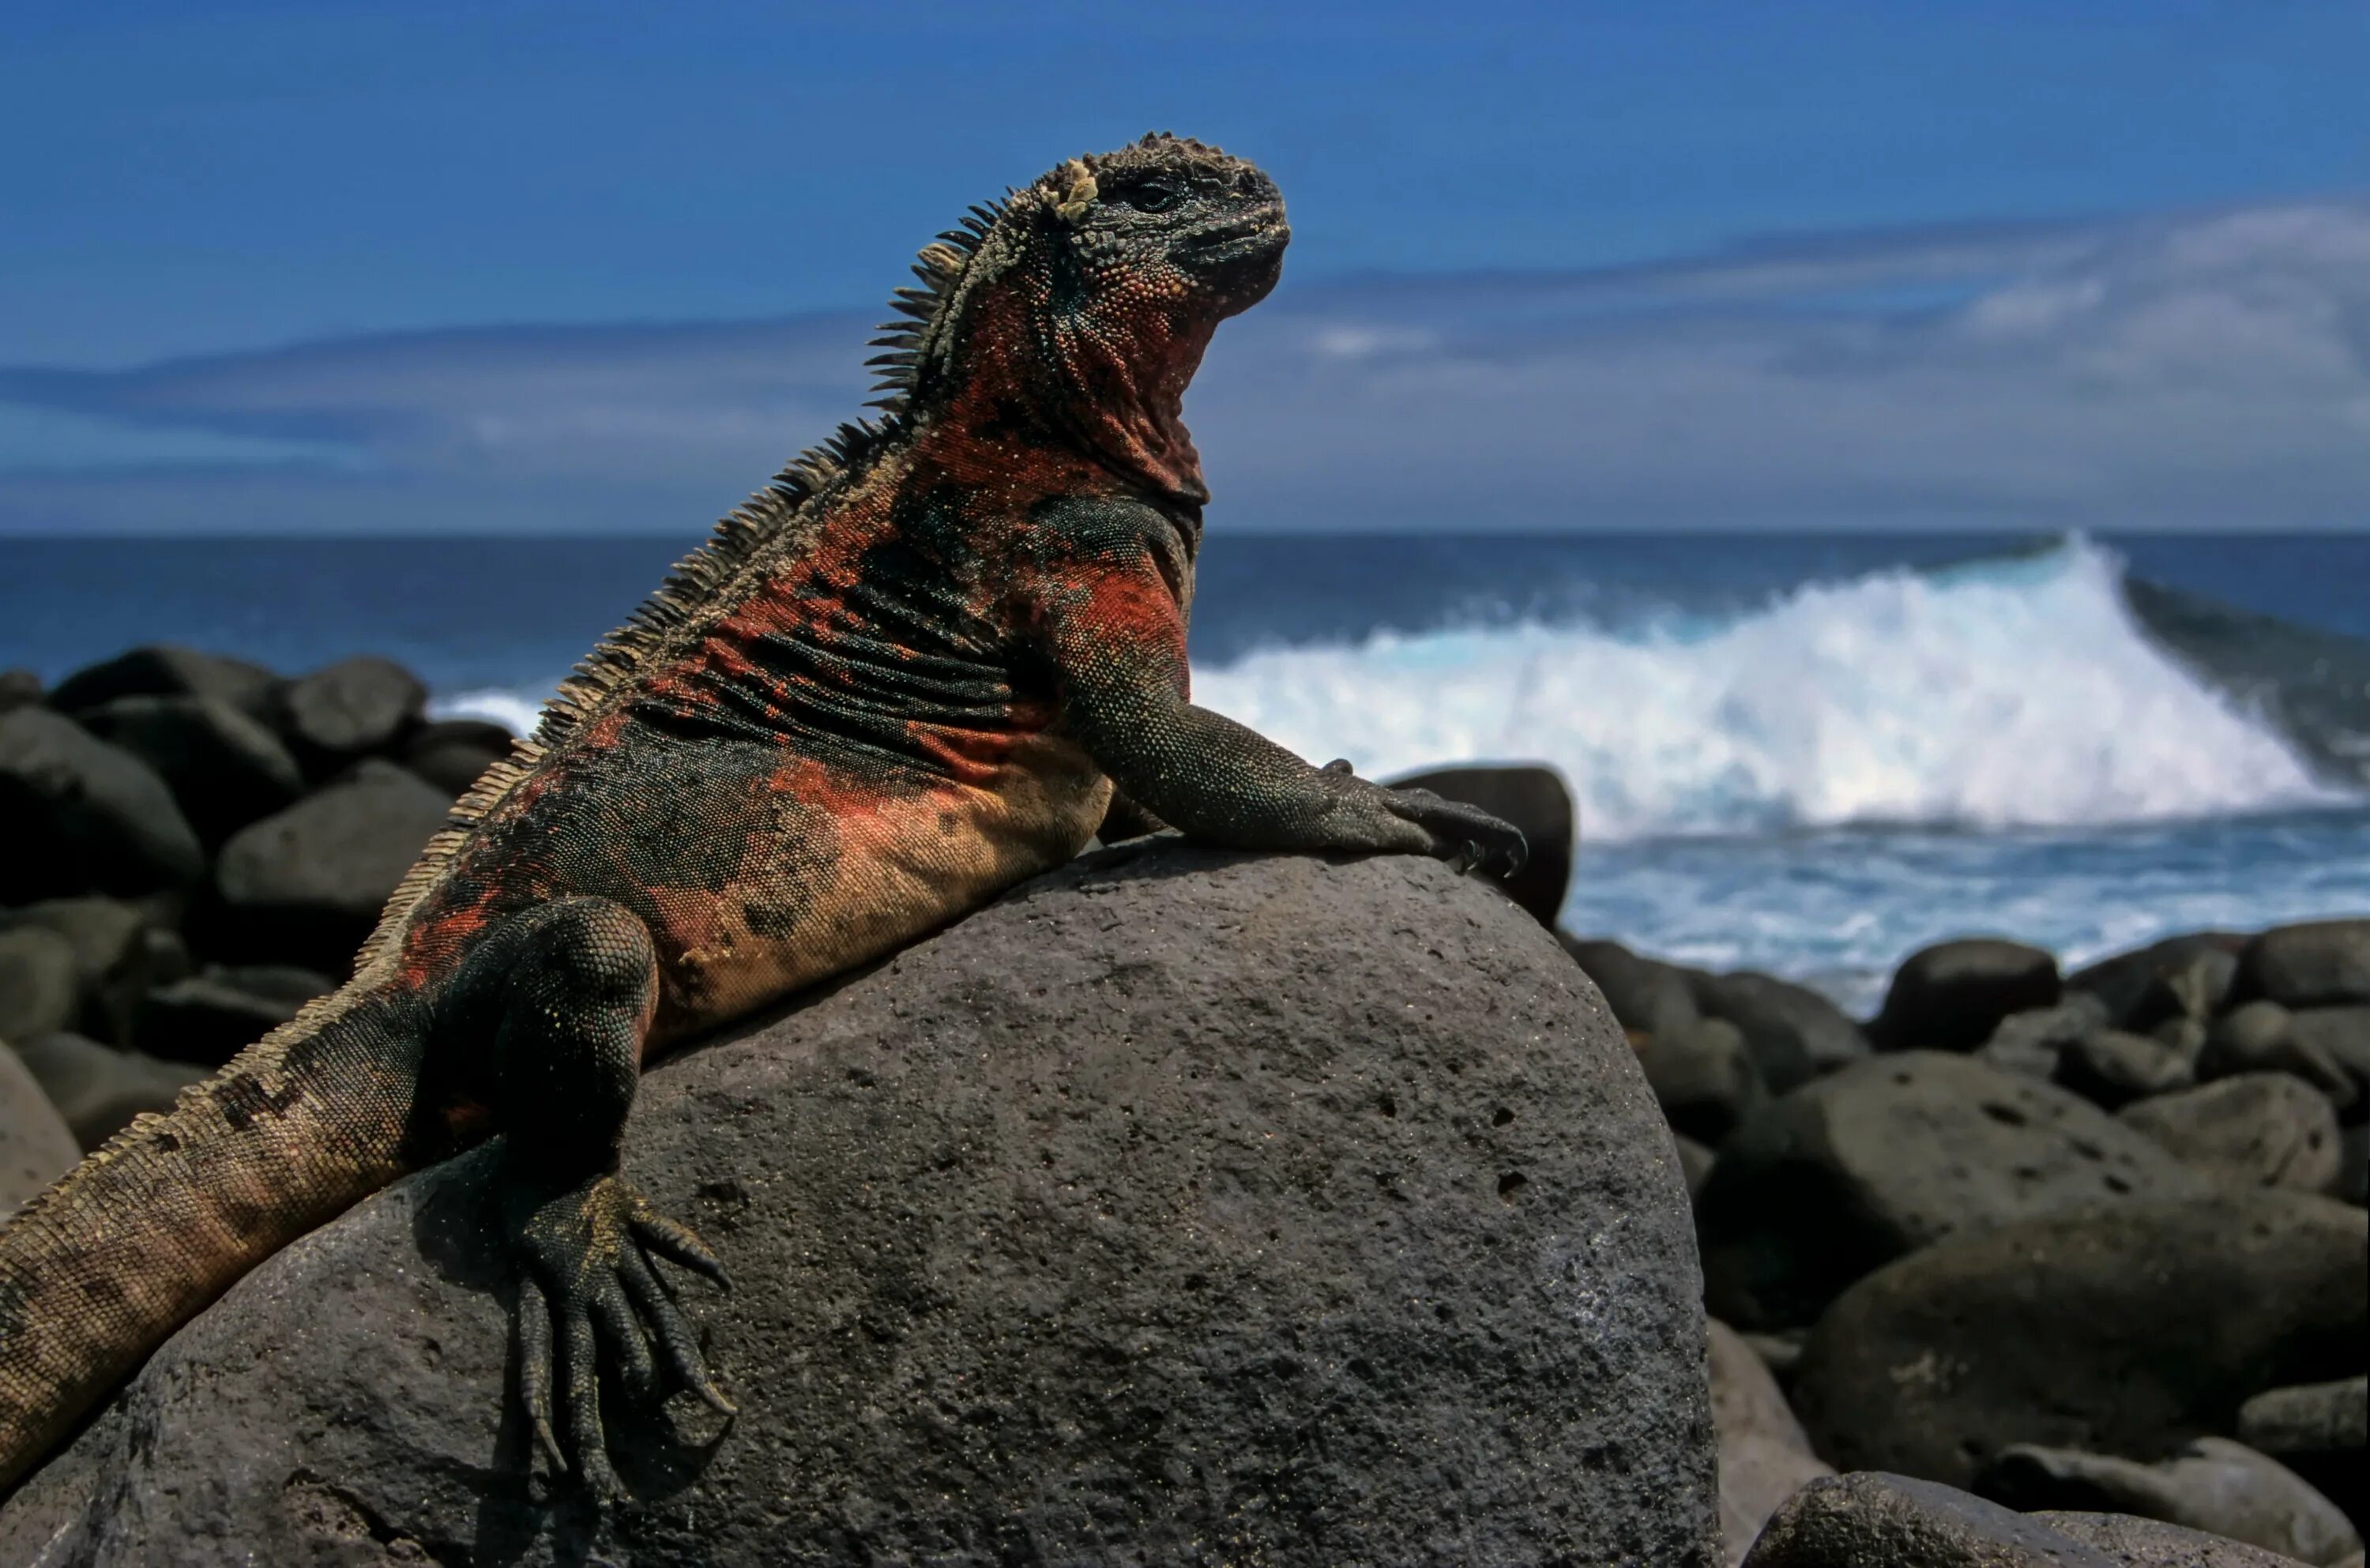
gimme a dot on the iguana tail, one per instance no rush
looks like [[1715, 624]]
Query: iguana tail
[[100, 1270]]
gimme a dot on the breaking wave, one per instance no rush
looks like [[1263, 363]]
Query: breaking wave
[[2000, 694], [2005, 693]]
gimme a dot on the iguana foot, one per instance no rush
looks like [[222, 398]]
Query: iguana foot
[[1467, 837], [589, 1286]]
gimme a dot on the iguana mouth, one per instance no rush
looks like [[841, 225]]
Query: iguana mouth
[[1239, 238]]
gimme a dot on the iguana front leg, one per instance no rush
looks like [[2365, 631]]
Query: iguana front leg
[[563, 994], [1107, 582]]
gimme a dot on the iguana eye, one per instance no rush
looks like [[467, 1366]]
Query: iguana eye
[[1150, 197]]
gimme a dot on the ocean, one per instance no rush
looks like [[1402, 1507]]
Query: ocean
[[1807, 755]]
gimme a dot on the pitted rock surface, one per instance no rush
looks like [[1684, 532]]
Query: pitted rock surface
[[1183, 1207]]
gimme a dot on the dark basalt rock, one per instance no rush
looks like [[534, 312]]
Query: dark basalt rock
[[98, 1089], [2261, 1037], [1851, 1170], [2127, 1330], [1694, 1162], [1533, 797], [451, 752], [1764, 1457], [36, 1147], [2133, 1542], [1795, 1032], [118, 955], [1874, 1520], [2113, 1067], [2322, 963], [2213, 1485], [1171, 1209], [2255, 1130], [83, 816], [2180, 976], [1704, 1078], [38, 993], [2032, 1042], [2321, 1430], [2341, 1035], [1648, 996], [206, 1019], [164, 671], [224, 768], [348, 709], [307, 885], [1951, 996]]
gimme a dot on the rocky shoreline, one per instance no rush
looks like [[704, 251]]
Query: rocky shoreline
[[2055, 1267]]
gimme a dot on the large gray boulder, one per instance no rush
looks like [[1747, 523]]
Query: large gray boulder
[[224, 768], [79, 816], [1183, 1207], [1764, 1455], [306, 884], [345, 710], [2257, 1129], [1869, 1520], [2214, 1485], [1951, 996], [2320, 964], [36, 1146], [163, 670], [2130, 1330], [1851, 1170]]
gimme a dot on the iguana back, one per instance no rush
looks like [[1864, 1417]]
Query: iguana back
[[903, 677]]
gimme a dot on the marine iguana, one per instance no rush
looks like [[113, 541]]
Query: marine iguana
[[903, 677]]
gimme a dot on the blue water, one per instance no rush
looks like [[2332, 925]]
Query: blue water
[[1801, 753]]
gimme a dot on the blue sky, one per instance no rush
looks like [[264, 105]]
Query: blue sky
[[1829, 184]]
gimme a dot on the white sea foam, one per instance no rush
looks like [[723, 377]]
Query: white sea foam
[[2005, 694]]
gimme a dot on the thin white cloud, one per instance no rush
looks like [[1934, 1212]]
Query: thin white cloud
[[2202, 370]]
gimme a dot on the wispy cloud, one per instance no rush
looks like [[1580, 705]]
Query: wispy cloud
[[2207, 369]]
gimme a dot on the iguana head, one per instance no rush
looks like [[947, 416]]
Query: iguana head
[[1083, 303]]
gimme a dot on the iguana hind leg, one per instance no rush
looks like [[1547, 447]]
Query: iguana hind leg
[[568, 990]]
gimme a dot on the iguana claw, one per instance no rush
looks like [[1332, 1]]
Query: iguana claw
[[588, 1285], [1467, 837]]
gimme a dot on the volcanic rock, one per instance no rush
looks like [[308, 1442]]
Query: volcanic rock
[[1182, 1205], [2320, 1430], [2257, 1130], [224, 768], [2213, 1484], [38, 993], [349, 709], [2180, 976], [2262, 1036], [36, 1147], [1795, 1032], [164, 671], [2323, 963], [1852, 1170], [2126, 1330], [2032, 1042], [1874, 1520], [308, 884], [1704, 1077], [1534, 799], [2113, 1067], [451, 752], [1951, 996], [98, 1089], [1648, 996], [1765, 1458], [81, 817]]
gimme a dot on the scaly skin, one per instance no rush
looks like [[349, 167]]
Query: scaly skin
[[902, 678]]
